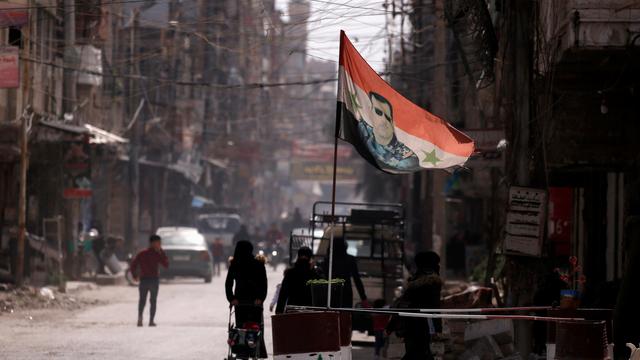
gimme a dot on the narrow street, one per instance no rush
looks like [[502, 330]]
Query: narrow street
[[192, 321]]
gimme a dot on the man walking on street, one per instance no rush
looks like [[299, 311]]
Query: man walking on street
[[148, 261]]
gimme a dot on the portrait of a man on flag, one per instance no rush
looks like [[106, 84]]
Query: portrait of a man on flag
[[389, 131], [378, 132]]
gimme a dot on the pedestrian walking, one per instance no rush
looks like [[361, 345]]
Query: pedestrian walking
[[380, 322], [294, 289], [97, 245], [345, 267], [423, 291], [241, 234], [217, 251], [246, 288], [148, 261], [274, 299]]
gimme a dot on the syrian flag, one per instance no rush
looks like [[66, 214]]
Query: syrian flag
[[389, 131]]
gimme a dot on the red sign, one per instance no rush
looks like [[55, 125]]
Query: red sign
[[13, 14], [560, 219], [9, 67]]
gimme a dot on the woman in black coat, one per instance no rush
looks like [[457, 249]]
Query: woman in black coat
[[250, 279]]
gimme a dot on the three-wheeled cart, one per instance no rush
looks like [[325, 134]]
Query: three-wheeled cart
[[374, 234]]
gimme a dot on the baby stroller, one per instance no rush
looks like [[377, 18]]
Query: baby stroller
[[246, 333]]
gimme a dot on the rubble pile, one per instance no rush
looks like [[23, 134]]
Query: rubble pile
[[490, 339], [32, 298]]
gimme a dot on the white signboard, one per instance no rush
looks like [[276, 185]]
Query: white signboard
[[525, 221]]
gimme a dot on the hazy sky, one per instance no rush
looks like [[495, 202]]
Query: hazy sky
[[362, 20]]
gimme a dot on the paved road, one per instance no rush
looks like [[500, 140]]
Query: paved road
[[192, 321]]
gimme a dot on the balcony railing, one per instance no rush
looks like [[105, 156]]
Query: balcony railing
[[602, 23]]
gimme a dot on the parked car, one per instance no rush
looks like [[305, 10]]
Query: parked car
[[187, 251]]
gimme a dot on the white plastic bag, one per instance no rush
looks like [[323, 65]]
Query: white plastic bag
[[635, 352]]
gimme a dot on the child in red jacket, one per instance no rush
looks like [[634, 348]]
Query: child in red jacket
[[380, 322]]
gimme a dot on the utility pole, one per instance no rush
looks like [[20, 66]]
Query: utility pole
[[22, 198], [68, 107], [70, 57], [521, 28], [24, 161], [523, 62], [134, 148]]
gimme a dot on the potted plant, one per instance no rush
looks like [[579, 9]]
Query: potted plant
[[575, 280], [319, 292]]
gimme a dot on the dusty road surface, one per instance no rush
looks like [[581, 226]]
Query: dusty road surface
[[192, 323]]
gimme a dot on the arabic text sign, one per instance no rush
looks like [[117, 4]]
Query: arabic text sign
[[525, 221], [9, 67]]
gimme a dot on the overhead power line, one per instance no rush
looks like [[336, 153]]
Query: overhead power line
[[181, 82], [42, 6]]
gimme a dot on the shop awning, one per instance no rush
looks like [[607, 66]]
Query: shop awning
[[215, 162], [96, 134]]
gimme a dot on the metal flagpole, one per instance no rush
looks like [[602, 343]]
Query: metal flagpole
[[333, 206], [333, 190]]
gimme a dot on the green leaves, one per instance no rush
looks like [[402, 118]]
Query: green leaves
[[336, 281]]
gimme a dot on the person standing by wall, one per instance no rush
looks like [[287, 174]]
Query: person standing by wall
[[148, 261]]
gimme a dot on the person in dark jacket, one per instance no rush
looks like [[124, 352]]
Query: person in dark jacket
[[97, 245], [294, 289], [247, 296], [423, 291], [148, 261], [242, 234], [345, 267]]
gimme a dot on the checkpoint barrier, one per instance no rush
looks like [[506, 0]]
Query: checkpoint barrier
[[311, 336]]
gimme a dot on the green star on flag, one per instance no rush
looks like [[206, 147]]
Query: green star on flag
[[430, 157]]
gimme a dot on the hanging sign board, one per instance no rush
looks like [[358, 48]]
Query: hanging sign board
[[13, 14], [77, 170], [525, 221], [9, 67]]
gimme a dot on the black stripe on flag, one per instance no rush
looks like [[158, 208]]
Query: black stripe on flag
[[347, 130]]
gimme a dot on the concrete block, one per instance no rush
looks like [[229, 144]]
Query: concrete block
[[501, 330], [310, 356], [107, 280]]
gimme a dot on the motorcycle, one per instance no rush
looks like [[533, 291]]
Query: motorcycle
[[275, 254], [278, 256]]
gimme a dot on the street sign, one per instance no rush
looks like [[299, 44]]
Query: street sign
[[525, 221]]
